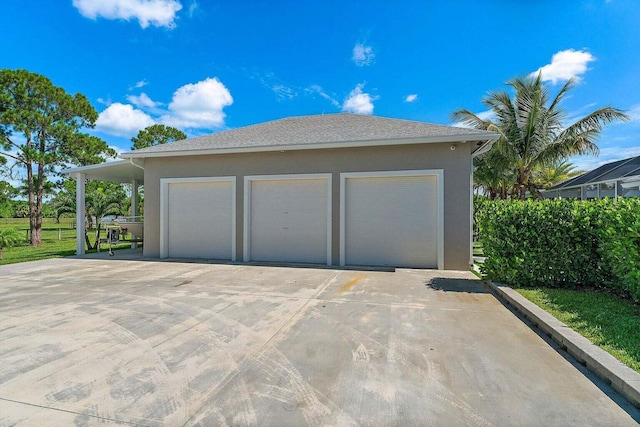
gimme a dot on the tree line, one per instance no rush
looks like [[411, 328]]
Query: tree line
[[43, 129]]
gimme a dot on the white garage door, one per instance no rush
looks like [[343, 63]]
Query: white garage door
[[198, 218], [391, 219], [287, 219]]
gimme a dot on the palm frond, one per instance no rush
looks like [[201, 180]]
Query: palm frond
[[468, 118], [595, 121], [532, 135], [570, 84]]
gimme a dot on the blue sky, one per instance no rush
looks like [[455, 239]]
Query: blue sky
[[205, 66]]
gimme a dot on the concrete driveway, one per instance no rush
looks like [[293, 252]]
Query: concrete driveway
[[85, 342]]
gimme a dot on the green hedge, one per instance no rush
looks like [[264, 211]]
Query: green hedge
[[562, 243]]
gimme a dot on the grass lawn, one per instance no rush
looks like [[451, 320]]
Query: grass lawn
[[477, 249], [58, 240], [608, 321]]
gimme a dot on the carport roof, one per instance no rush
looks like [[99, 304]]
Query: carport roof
[[117, 171], [318, 131]]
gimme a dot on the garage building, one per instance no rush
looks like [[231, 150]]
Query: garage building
[[336, 189]]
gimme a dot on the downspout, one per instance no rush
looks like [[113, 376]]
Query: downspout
[[483, 148], [134, 164]]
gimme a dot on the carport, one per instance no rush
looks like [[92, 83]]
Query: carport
[[121, 171]]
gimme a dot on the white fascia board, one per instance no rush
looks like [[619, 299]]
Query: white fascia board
[[122, 171], [318, 146], [89, 168]]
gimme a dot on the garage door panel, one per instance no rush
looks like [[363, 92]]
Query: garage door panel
[[391, 221], [200, 220], [289, 220]]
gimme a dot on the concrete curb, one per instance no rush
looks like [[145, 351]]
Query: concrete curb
[[623, 379]]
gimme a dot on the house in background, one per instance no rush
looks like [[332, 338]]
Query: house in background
[[336, 189], [619, 178]]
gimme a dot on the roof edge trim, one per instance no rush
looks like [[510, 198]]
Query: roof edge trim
[[324, 145], [97, 166]]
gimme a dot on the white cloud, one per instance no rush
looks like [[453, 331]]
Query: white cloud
[[634, 113], [283, 92], [410, 98], [122, 120], [272, 82], [358, 101], [194, 106], [159, 13], [565, 65], [318, 89], [198, 105], [486, 115], [143, 101], [362, 55], [141, 83], [193, 7], [118, 151]]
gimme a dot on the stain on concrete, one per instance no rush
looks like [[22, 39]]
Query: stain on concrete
[[73, 393], [248, 345], [351, 282], [361, 354]]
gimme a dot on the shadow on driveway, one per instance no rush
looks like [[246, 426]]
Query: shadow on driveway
[[457, 285]]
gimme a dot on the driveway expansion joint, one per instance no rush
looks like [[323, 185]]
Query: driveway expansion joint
[[622, 378], [97, 417]]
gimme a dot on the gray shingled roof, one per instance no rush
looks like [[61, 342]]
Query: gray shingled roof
[[318, 130], [613, 171]]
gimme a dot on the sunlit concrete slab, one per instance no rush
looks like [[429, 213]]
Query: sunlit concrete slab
[[143, 342]]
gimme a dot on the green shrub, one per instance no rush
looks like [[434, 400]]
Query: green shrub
[[562, 243], [9, 237], [619, 243]]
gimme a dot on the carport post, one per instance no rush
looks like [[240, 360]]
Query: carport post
[[80, 212], [134, 205]]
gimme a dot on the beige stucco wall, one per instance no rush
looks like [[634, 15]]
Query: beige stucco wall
[[455, 163]]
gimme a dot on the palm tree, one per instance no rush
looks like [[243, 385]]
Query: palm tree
[[8, 237], [102, 198], [106, 198], [492, 175], [64, 201], [546, 176], [532, 128]]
